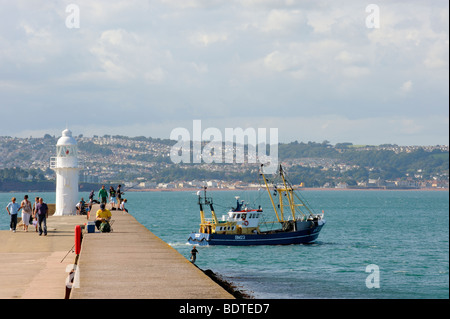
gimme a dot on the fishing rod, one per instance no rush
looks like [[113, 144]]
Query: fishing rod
[[70, 250]]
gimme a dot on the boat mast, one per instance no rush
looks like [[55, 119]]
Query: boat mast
[[270, 194], [289, 192], [200, 203], [213, 213], [206, 201]]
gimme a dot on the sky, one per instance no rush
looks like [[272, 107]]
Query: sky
[[341, 71]]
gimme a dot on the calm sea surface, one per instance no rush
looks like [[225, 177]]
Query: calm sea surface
[[404, 233]]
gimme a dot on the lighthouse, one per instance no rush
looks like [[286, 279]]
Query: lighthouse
[[66, 167]]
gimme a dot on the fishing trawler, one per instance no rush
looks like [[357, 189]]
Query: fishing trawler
[[295, 223]]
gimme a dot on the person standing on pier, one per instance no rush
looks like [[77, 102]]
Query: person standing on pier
[[112, 198], [36, 202], [25, 205], [102, 195], [13, 209], [42, 214], [119, 194]]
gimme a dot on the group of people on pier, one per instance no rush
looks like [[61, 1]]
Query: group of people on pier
[[35, 214], [103, 215], [114, 196]]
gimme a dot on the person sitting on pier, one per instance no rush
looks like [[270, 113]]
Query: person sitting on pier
[[103, 218], [80, 207], [122, 206]]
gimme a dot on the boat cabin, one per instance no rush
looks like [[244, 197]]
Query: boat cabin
[[240, 220]]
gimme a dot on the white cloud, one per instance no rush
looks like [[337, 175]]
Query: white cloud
[[285, 21], [406, 87], [437, 56], [355, 71], [205, 39], [156, 75], [191, 4], [172, 60], [349, 57], [280, 62], [200, 67], [114, 51], [324, 59], [320, 22]]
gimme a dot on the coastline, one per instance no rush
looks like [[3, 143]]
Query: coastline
[[298, 189], [85, 189]]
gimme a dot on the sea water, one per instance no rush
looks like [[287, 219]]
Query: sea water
[[396, 239]]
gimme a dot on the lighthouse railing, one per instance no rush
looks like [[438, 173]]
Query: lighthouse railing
[[53, 162], [58, 162]]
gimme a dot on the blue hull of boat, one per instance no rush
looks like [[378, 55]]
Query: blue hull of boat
[[270, 238]]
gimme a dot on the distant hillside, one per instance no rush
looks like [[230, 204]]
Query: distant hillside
[[387, 158], [140, 159]]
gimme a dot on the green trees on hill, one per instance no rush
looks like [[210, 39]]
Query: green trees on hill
[[387, 163], [91, 148], [20, 174], [310, 149], [313, 164], [393, 165]]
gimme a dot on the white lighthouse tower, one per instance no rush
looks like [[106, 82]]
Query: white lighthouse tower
[[66, 167]]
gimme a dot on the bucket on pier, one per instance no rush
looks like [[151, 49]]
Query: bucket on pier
[[91, 227]]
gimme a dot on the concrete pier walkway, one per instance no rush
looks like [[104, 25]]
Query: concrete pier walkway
[[130, 262], [30, 265]]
